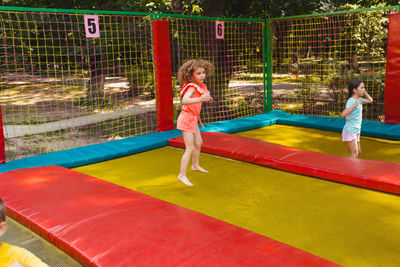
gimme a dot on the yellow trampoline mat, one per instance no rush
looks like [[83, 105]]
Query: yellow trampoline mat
[[345, 224], [325, 141]]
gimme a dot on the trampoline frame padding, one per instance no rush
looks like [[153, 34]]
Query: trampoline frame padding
[[373, 174], [103, 224]]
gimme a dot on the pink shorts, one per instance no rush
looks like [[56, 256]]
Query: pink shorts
[[187, 122], [346, 137]]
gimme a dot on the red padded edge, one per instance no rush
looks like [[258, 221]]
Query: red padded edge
[[103, 224], [378, 175], [392, 96]]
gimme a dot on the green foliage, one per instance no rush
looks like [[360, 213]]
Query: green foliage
[[154, 6], [44, 42], [368, 30], [230, 8], [337, 5], [375, 85], [338, 80], [141, 80], [374, 81], [308, 95], [68, 4]]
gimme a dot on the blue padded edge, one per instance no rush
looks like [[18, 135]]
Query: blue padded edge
[[95, 153], [315, 122], [241, 124], [81, 156], [368, 128], [86, 155]]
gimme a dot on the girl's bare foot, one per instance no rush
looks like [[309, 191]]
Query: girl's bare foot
[[198, 169], [184, 180]]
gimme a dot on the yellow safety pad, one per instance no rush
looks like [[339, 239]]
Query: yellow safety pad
[[345, 224], [325, 141]]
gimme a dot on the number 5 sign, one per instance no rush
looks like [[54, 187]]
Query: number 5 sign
[[92, 26], [219, 29]]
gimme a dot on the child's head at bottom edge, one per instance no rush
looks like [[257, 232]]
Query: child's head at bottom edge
[[3, 224]]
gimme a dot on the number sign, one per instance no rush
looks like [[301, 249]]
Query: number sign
[[219, 29], [92, 26]]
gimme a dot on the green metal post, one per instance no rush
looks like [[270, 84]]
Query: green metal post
[[268, 63]]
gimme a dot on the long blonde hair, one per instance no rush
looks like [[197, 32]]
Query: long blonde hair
[[185, 73]]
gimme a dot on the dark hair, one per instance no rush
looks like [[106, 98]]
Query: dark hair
[[185, 72], [2, 211], [353, 85]]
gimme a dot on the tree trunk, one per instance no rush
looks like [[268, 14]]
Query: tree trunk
[[95, 91]]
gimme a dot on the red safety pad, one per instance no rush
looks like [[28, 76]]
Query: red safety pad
[[392, 93], [378, 175], [163, 73], [103, 224]]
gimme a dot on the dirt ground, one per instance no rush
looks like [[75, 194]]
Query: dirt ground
[[29, 103]]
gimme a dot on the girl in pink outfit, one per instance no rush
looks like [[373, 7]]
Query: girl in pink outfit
[[192, 73]]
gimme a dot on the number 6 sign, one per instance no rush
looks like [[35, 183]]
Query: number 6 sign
[[219, 29], [92, 26]]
